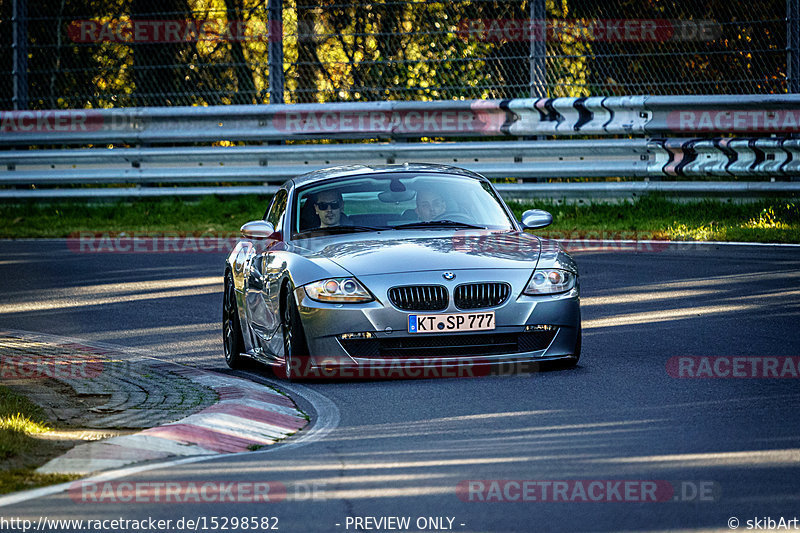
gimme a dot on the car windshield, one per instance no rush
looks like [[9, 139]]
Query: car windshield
[[397, 201]]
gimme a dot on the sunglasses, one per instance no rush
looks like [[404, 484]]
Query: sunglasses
[[328, 205]]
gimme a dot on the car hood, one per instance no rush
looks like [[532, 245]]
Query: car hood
[[392, 252]]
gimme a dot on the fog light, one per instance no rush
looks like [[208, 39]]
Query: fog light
[[539, 327], [363, 335]]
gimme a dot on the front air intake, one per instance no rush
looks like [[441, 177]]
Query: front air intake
[[419, 297], [481, 295]]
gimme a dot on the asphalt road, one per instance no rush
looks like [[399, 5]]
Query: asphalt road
[[725, 447]]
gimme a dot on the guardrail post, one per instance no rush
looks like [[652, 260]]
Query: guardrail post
[[275, 52], [19, 21], [538, 37]]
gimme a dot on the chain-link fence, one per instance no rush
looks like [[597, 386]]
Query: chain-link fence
[[105, 53]]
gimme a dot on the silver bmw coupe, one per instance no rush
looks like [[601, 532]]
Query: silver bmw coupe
[[406, 270]]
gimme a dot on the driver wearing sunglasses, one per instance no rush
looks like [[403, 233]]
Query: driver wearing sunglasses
[[328, 207]]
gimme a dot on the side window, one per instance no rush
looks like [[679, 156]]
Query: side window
[[277, 209]]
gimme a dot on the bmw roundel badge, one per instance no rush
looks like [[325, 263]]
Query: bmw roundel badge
[[449, 275]]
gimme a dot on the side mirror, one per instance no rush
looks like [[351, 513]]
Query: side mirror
[[258, 229], [536, 218]]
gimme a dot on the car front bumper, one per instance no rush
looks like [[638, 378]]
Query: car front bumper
[[529, 330]]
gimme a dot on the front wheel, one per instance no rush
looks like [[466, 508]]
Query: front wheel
[[294, 341], [232, 340]]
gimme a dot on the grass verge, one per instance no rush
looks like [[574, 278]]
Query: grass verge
[[19, 421], [19, 418], [648, 218], [773, 221]]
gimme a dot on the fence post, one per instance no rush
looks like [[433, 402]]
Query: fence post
[[793, 46], [19, 21], [538, 57], [275, 52], [793, 51]]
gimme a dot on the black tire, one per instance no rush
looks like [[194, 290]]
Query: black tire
[[232, 340], [294, 339]]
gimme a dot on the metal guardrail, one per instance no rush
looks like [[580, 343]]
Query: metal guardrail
[[615, 115], [133, 192], [387, 152], [633, 189], [151, 167], [510, 191], [275, 164], [644, 158]]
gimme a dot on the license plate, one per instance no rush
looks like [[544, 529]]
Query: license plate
[[451, 323]]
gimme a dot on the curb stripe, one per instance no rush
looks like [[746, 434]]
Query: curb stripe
[[217, 441], [158, 444], [239, 427], [105, 450], [259, 415], [238, 393], [255, 404]]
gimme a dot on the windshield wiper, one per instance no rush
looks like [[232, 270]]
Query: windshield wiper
[[438, 224], [348, 229]]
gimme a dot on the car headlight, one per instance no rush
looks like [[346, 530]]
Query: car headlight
[[338, 290], [550, 281]]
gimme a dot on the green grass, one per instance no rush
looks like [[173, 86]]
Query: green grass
[[19, 419], [209, 215], [648, 218], [656, 218], [23, 479]]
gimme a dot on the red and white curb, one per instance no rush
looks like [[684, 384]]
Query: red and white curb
[[326, 421], [247, 416]]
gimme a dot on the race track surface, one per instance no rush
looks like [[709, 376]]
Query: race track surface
[[598, 443]]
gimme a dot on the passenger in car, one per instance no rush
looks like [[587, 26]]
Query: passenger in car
[[430, 204]]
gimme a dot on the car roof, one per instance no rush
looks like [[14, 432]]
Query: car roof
[[359, 170]]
